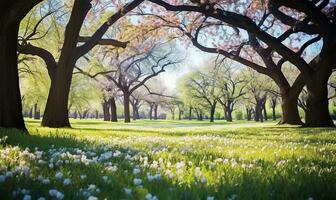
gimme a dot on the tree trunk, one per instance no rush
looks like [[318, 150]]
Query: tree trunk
[[114, 117], [30, 114], [10, 97], [56, 112], [156, 111], [273, 112], [257, 111], [290, 112], [127, 108], [106, 111], [190, 112], [36, 111], [75, 114], [265, 111], [317, 114], [97, 114], [150, 112], [248, 114], [229, 115], [212, 112]]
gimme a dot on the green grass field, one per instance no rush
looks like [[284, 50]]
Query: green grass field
[[168, 160]]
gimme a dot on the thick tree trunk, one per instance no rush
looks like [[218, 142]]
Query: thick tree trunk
[[127, 108], [36, 111], [114, 117], [257, 110], [10, 97], [56, 112], [106, 110], [317, 114], [290, 112], [229, 115]]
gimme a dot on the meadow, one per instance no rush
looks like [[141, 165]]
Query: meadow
[[168, 160]]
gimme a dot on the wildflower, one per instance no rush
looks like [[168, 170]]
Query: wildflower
[[26, 197], [55, 193], [128, 191], [41, 198], [92, 198], [210, 198], [137, 181], [66, 182], [46, 181], [2, 178], [136, 171], [198, 172], [59, 175], [203, 180], [9, 174], [83, 177]]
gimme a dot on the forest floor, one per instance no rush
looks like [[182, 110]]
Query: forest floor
[[168, 160]]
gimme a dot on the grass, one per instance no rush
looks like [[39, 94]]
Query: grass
[[171, 159]]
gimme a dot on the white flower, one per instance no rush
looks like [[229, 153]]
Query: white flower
[[66, 182], [198, 172], [203, 180], [46, 181], [148, 196], [2, 178], [137, 181], [9, 174], [92, 198], [136, 171], [27, 197], [128, 191], [106, 155], [56, 193], [41, 198], [210, 198], [59, 175], [83, 177]]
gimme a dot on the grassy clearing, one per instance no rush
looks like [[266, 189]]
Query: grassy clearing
[[168, 160]]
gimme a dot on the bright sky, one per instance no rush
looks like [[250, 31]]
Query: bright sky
[[194, 59]]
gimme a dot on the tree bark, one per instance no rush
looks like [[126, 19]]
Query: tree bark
[[10, 97], [127, 107], [36, 111], [106, 110], [114, 117], [212, 112], [150, 112], [56, 112], [290, 112], [317, 114], [156, 111], [190, 113]]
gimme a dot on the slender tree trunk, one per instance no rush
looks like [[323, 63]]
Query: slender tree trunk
[[265, 111], [190, 112], [212, 113], [317, 114], [75, 114], [248, 114], [150, 112], [201, 116], [97, 114], [225, 113], [114, 117], [273, 112], [30, 115], [156, 111], [10, 97], [127, 107], [257, 111], [56, 112], [36, 111]]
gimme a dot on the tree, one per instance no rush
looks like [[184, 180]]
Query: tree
[[268, 27], [56, 112], [204, 86], [232, 88], [10, 97]]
